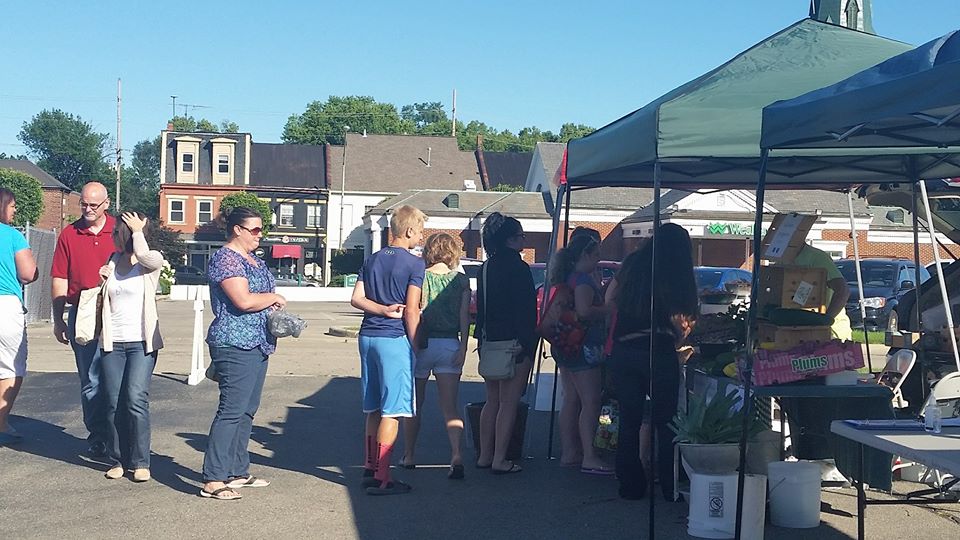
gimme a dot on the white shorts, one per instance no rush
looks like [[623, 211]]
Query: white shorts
[[13, 338], [438, 357]]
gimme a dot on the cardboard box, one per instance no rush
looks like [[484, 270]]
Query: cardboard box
[[783, 338], [804, 362], [783, 285], [786, 237]]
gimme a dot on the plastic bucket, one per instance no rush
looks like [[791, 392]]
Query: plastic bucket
[[515, 449], [713, 506], [794, 494]]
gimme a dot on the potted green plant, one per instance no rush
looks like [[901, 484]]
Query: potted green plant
[[708, 434]]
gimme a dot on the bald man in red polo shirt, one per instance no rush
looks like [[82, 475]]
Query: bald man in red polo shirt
[[83, 247]]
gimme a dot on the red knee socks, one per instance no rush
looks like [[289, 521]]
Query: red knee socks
[[383, 463], [370, 453]]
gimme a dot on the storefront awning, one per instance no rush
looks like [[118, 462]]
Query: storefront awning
[[282, 251]]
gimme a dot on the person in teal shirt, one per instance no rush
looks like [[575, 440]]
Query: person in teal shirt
[[17, 268]]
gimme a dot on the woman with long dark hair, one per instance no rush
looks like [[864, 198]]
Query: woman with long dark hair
[[574, 266], [242, 293], [504, 312], [675, 303], [130, 340]]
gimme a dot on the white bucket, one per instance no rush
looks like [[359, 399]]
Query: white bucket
[[794, 494], [713, 506]]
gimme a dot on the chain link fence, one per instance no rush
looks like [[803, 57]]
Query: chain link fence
[[36, 295]]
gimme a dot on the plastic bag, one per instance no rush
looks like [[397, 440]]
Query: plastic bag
[[608, 428], [282, 323]]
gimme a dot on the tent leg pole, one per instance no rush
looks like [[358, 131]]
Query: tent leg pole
[[654, 458], [747, 375], [562, 205], [856, 264], [915, 194], [940, 279]]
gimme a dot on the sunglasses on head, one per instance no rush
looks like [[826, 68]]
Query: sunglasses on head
[[254, 231]]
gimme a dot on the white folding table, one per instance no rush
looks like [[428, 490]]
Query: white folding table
[[940, 451]]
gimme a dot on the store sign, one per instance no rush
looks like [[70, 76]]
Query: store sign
[[285, 239], [729, 229]]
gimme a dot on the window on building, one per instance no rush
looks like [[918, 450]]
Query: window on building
[[186, 163], [313, 216], [286, 215], [223, 163], [176, 210], [204, 212]]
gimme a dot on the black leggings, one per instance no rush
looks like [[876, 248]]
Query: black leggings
[[631, 374]]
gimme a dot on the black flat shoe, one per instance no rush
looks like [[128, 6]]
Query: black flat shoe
[[456, 472]]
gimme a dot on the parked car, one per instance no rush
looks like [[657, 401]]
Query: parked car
[[189, 275], [884, 282], [932, 267], [471, 268], [720, 287], [295, 280]]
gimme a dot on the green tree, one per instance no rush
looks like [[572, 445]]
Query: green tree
[[167, 241], [324, 121], [226, 126], [28, 192], [574, 131], [251, 201], [67, 147], [189, 124], [506, 188]]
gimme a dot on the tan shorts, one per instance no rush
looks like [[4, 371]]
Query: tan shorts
[[13, 338]]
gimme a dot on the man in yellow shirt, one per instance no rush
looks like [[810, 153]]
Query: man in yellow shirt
[[838, 292]]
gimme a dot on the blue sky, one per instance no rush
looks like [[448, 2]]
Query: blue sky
[[514, 64]]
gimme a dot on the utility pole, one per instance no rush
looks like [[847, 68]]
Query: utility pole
[[343, 182], [454, 130], [119, 155]]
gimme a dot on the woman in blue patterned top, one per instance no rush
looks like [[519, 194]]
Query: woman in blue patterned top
[[241, 294]]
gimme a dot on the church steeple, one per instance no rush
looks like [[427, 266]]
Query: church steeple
[[855, 14]]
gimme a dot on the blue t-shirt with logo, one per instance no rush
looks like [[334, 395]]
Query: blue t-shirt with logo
[[11, 241], [386, 276]]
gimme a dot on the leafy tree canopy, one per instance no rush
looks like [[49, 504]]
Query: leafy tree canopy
[[67, 147], [168, 241], [192, 125], [251, 201], [28, 192], [327, 121]]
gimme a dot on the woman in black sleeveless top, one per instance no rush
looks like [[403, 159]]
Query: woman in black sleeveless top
[[675, 299]]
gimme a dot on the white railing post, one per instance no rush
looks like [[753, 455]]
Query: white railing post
[[197, 368]]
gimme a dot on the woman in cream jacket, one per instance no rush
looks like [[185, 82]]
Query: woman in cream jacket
[[130, 339]]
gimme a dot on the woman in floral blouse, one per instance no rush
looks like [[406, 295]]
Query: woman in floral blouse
[[241, 294]]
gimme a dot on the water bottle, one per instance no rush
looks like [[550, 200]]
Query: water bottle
[[931, 418]]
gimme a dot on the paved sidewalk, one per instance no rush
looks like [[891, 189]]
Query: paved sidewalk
[[307, 441]]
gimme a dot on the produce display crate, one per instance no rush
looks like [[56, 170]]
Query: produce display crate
[[782, 338], [805, 361], [780, 285]]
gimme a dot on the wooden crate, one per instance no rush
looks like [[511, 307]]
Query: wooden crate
[[782, 338], [779, 284]]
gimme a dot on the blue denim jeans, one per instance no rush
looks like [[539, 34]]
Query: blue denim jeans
[[88, 367], [240, 374], [125, 383]]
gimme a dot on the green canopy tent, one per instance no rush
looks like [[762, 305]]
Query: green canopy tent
[[706, 133]]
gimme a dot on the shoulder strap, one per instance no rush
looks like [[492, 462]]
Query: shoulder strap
[[486, 306]]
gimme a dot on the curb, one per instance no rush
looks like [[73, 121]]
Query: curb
[[338, 331]]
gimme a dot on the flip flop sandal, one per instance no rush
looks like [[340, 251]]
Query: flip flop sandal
[[250, 481], [456, 472], [514, 468], [220, 494]]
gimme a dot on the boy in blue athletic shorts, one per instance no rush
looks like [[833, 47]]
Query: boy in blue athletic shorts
[[388, 291]]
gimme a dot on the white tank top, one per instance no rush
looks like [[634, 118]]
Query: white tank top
[[126, 305]]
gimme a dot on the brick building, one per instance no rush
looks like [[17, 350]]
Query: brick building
[[61, 205]]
